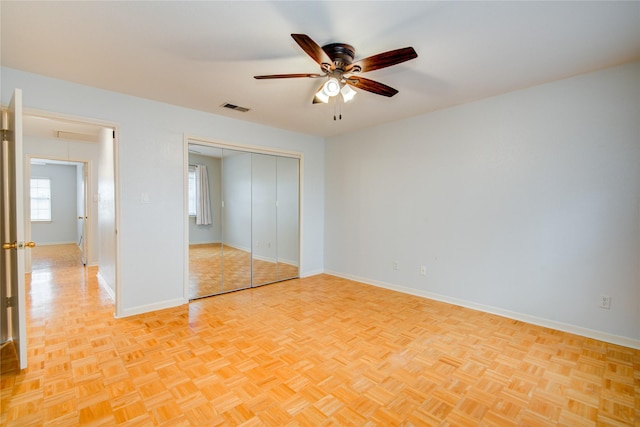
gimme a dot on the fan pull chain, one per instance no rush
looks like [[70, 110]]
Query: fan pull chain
[[337, 107]]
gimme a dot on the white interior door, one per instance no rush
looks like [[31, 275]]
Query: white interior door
[[13, 243]]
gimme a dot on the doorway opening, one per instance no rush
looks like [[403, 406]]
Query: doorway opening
[[78, 157], [57, 196]]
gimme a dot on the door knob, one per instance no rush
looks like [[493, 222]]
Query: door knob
[[15, 245]]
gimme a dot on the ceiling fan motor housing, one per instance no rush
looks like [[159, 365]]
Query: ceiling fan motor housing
[[340, 53]]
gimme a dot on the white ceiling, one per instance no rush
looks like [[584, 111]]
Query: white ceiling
[[202, 54]]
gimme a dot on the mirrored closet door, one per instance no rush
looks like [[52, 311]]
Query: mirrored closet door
[[236, 220], [251, 236], [287, 221], [264, 264], [205, 230]]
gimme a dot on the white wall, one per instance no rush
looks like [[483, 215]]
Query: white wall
[[527, 204], [62, 227], [150, 160]]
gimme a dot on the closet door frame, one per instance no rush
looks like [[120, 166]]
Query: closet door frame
[[257, 149]]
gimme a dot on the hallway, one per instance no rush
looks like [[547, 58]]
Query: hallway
[[315, 351]]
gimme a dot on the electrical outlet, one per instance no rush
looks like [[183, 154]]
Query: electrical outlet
[[605, 301], [396, 265], [423, 270]]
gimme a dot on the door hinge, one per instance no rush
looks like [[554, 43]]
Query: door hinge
[[6, 134], [10, 302]]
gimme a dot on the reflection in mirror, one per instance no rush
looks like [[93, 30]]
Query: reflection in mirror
[[205, 221], [247, 232], [236, 224], [263, 219], [288, 217]]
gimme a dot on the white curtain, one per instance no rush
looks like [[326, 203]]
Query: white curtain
[[203, 202]]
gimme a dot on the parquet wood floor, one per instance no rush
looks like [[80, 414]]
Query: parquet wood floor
[[319, 351], [208, 265]]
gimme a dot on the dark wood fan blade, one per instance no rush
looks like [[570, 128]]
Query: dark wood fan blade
[[383, 60], [311, 48], [286, 76], [372, 86]]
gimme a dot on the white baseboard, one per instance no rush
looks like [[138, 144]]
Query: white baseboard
[[240, 248], [539, 321], [315, 273], [132, 311], [103, 283], [204, 243], [288, 262], [264, 258]]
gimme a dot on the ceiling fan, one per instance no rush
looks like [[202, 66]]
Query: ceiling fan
[[336, 63]]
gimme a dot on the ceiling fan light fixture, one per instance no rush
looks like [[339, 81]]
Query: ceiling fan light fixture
[[321, 96], [347, 93], [331, 87]]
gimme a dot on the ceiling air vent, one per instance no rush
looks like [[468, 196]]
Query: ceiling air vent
[[235, 107]]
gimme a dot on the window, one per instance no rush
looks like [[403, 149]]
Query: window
[[192, 191], [40, 199]]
